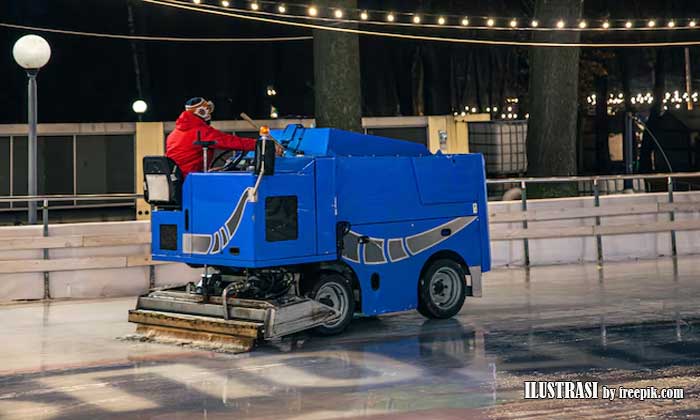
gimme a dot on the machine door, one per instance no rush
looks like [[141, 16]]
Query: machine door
[[221, 216], [287, 212]]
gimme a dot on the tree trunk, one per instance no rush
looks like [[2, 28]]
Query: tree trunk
[[338, 96], [553, 94], [418, 83]]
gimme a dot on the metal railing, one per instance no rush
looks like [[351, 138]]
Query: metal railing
[[46, 199], [596, 181]]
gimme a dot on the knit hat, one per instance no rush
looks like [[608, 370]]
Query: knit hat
[[200, 107]]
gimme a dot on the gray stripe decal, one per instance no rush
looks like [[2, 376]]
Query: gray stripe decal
[[396, 250], [351, 247], [196, 244], [234, 221], [374, 251], [223, 234], [217, 244], [424, 240]]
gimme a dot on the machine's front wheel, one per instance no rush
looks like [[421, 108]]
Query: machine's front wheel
[[334, 290], [441, 290]]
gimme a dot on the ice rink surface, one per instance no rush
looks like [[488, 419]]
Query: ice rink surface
[[632, 324]]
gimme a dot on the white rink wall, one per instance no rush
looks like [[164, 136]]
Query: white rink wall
[[92, 283], [131, 281], [583, 249]]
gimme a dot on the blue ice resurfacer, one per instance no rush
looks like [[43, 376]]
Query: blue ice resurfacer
[[343, 223]]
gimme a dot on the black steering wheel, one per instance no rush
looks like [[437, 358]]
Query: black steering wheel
[[216, 159], [232, 162]]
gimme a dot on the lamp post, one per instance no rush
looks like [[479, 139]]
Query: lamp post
[[31, 52]]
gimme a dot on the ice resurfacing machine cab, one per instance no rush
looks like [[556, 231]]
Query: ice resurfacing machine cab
[[343, 223]]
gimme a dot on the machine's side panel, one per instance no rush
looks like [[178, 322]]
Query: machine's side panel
[[167, 230], [220, 216], [389, 265], [484, 219], [326, 207], [383, 189], [448, 179], [285, 216], [402, 211]]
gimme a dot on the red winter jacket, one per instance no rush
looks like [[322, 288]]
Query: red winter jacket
[[180, 147]]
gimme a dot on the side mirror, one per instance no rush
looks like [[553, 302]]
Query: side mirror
[[265, 162]]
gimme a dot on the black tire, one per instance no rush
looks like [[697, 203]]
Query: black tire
[[447, 279], [335, 290]]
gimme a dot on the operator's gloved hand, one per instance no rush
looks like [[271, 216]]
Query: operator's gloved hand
[[279, 150]]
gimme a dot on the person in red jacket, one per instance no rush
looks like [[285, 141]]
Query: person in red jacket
[[195, 119]]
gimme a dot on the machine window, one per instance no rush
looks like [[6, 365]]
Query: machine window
[[281, 218]]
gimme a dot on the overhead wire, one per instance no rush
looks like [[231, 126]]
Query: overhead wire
[[152, 38]]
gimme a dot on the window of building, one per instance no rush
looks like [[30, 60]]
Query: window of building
[[4, 169]]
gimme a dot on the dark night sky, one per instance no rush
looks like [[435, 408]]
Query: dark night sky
[[94, 79]]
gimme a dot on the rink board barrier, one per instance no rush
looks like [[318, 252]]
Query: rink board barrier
[[89, 260]]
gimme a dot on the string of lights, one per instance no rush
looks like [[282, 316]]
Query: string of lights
[[152, 38], [673, 99], [418, 19], [283, 19]]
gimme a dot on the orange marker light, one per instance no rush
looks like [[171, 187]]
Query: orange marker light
[[264, 130]]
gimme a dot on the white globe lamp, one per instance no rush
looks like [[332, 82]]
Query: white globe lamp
[[139, 106], [31, 52]]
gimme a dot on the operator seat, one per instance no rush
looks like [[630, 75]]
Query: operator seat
[[162, 185]]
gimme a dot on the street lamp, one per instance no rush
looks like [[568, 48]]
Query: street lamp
[[31, 52], [139, 107]]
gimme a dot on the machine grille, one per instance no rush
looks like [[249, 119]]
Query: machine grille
[[168, 237]]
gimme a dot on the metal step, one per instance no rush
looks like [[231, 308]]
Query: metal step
[[178, 315]]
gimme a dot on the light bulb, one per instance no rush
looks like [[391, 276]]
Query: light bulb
[[338, 13], [561, 24], [534, 24], [416, 19], [513, 23], [441, 20], [139, 106], [281, 8], [364, 16], [465, 22], [390, 17], [313, 11], [606, 25], [490, 22]]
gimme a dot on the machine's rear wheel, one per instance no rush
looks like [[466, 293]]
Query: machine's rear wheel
[[334, 290], [441, 290]]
